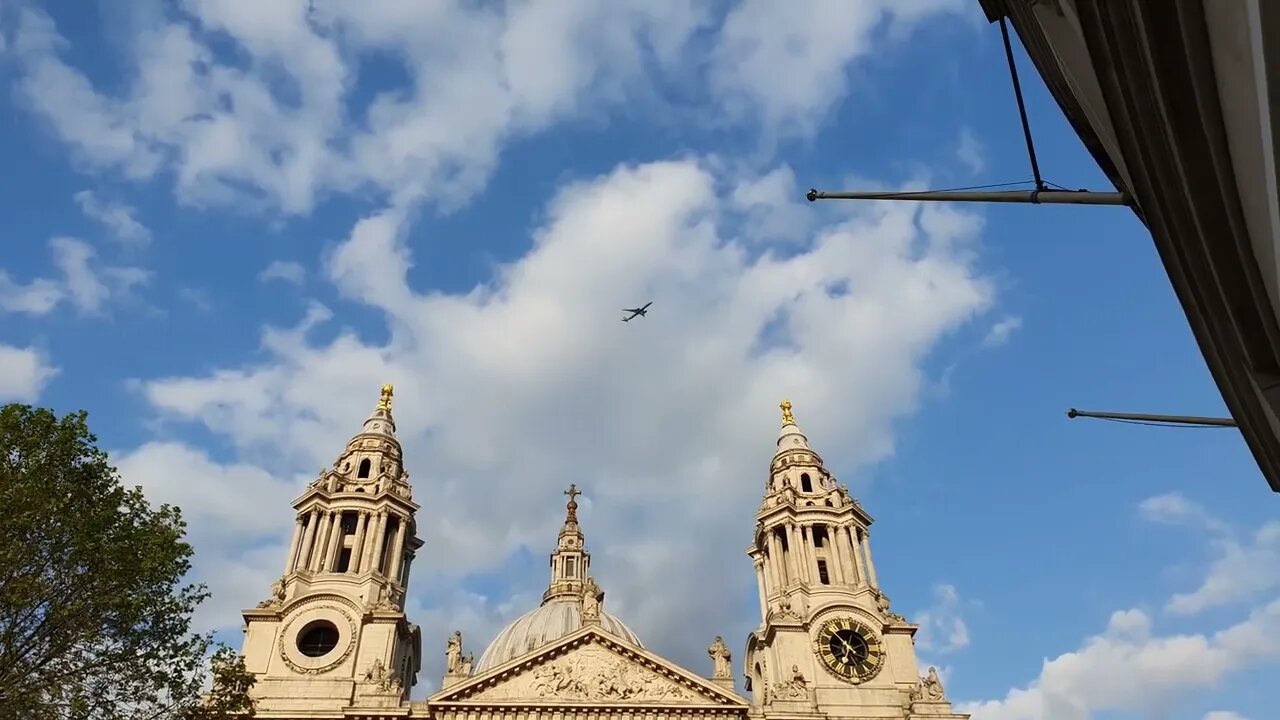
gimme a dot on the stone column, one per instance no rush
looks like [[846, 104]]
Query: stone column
[[773, 556], [293, 545], [393, 567], [357, 547], [303, 561], [321, 540], [795, 553], [845, 550], [780, 570], [335, 542], [764, 603], [806, 555], [856, 542], [833, 555], [373, 542], [811, 546], [407, 570], [871, 566]]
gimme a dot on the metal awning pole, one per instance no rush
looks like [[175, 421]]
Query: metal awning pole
[[1143, 417], [1043, 197]]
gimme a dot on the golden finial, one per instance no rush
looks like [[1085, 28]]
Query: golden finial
[[571, 516], [384, 401], [787, 417]]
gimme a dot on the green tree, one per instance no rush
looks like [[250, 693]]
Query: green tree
[[95, 616]]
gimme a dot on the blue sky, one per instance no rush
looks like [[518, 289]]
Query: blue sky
[[226, 225]]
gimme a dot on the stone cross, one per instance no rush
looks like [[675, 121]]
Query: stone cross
[[572, 507]]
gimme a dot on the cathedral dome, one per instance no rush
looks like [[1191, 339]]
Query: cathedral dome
[[555, 619]]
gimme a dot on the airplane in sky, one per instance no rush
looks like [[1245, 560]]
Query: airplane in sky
[[636, 312]]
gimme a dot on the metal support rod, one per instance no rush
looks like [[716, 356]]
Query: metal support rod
[[1143, 417], [1022, 106], [1042, 197]]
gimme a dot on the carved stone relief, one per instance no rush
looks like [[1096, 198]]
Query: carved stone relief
[[882, 603], [591, 673], [782, 610], [389, 598], [930, 688], [795, 688], [382, 681], [764, 682], [277, 595]]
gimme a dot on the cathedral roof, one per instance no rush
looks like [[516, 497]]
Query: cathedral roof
[[561, 612], [544, 625]]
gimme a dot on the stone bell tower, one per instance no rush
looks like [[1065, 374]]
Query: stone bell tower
[[828, 644], [333, 633]]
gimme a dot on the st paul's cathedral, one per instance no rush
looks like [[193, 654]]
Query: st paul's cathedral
[[333, 641]]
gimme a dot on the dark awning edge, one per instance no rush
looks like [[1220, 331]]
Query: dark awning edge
[[1157, 82]]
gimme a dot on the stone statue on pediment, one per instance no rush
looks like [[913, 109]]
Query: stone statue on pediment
[[453, 653], [591, 599], [720, 658], [277, 594], [931, 684]]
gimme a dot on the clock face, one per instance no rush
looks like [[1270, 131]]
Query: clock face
[[849, 649]]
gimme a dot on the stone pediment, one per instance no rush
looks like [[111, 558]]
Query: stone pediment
[[589, 666]]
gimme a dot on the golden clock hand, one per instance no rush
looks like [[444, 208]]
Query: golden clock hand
[[850, 654]]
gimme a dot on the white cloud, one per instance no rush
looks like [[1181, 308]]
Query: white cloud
[[86, 287], [520, 385], [118, 218], [788, 63], [1001, 331], [942, 627], [1131, 668], [970, 153], [286, 270], [197, 298], [37, 297], [85, 284], [23, 373], [1175, 509], [1128, 668], [1242, 569], [478, 76], [1224, 715], [773, 208], [100, 132]]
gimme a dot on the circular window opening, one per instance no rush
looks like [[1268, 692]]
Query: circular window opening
[[318, 638]]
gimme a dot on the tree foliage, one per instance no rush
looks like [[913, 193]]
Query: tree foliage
[[95, 616]]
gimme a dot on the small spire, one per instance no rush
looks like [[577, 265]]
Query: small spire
[[570, 562], [571, 508], [384, 399], [790, 436]]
